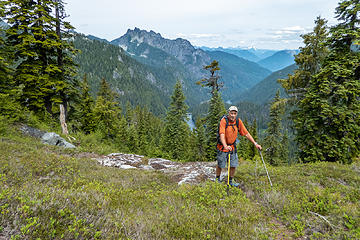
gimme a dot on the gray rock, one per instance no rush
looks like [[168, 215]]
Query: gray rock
[[33, 132], [52, 138]]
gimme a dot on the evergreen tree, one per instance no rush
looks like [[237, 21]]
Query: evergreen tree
[[107, 112], [176, 131], [284, 148], [251, 147], [128, 113], [328, 123], [308, 61], [274, 136], [105, 91], [85, 108], [200, 141], [216, 108], [243, 145], [216, 111], [212, 81], [32, 34], [9, 93]]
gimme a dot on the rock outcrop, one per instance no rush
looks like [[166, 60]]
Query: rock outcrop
[[189, 172], [50, 138]]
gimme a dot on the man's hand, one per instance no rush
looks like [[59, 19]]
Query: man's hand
[[228, 147], [258, 146]]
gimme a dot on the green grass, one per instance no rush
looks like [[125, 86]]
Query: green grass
[[50, 193]]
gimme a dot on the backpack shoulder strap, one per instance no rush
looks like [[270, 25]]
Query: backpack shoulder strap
[[227, 121]]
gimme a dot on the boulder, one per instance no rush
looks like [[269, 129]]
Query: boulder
[[52, 138]]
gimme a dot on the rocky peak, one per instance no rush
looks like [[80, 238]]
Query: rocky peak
[[179, 48]]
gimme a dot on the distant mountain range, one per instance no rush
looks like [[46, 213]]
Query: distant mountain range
[[273, 60], [279, 60], [251, 54], [180, 57]]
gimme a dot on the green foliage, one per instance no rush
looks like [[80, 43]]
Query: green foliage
[[314, 201], [52, 193], [176, 133], [275, 142], [84, 109], [326, 89], [308, 61], [212, 81], [328, 116], [37, 47], [200, 142], [216, 111], [131, 80]]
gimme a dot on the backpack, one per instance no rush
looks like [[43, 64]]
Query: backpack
[[226, 126]]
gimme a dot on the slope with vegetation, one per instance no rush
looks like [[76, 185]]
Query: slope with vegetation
[[52, 193], [132, 81]]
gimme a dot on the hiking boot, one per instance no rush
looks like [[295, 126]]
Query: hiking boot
[[234, 184]]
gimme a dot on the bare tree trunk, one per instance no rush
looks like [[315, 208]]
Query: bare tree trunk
[[62, 120]]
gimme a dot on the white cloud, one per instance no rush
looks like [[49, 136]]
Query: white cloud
[[203, 22]]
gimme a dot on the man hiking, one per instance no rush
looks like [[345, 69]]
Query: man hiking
[[229, 127]]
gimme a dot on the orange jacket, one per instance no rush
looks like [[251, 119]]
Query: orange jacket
[[231, 133]]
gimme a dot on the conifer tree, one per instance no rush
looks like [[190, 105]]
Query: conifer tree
[[200, 141], [175, 140], [216, 108], [9, 93], [212, 81], [107, 112], [251, 147], [86, 108], [32, 35], [243, 145], [274, 136], [308, 61], [284, 149], [216, 111], [329, 115]]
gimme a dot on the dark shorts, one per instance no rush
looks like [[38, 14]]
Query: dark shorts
[[222, 159]]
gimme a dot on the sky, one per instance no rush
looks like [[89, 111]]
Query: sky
[[263, 24]]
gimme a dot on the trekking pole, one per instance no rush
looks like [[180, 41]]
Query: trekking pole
[[228, 181], [265, 168]]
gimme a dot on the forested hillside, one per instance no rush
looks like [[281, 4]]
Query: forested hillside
[[278, 60], [131, 80], [264, 91], [237, 74]]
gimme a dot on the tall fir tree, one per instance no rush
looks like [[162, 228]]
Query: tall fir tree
[[216, 108], [274, 136], [216, 111], [328, 123], [251, 147], [85, 108], [309, 61], [175, 140], [32, 34], [108, 113], [213, 81], [200, 142]]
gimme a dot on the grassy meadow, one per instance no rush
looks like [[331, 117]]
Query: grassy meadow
[[52, 193]]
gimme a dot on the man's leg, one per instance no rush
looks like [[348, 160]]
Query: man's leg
[[221, 160], [234, 163], [218, 171], [232, 171]]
